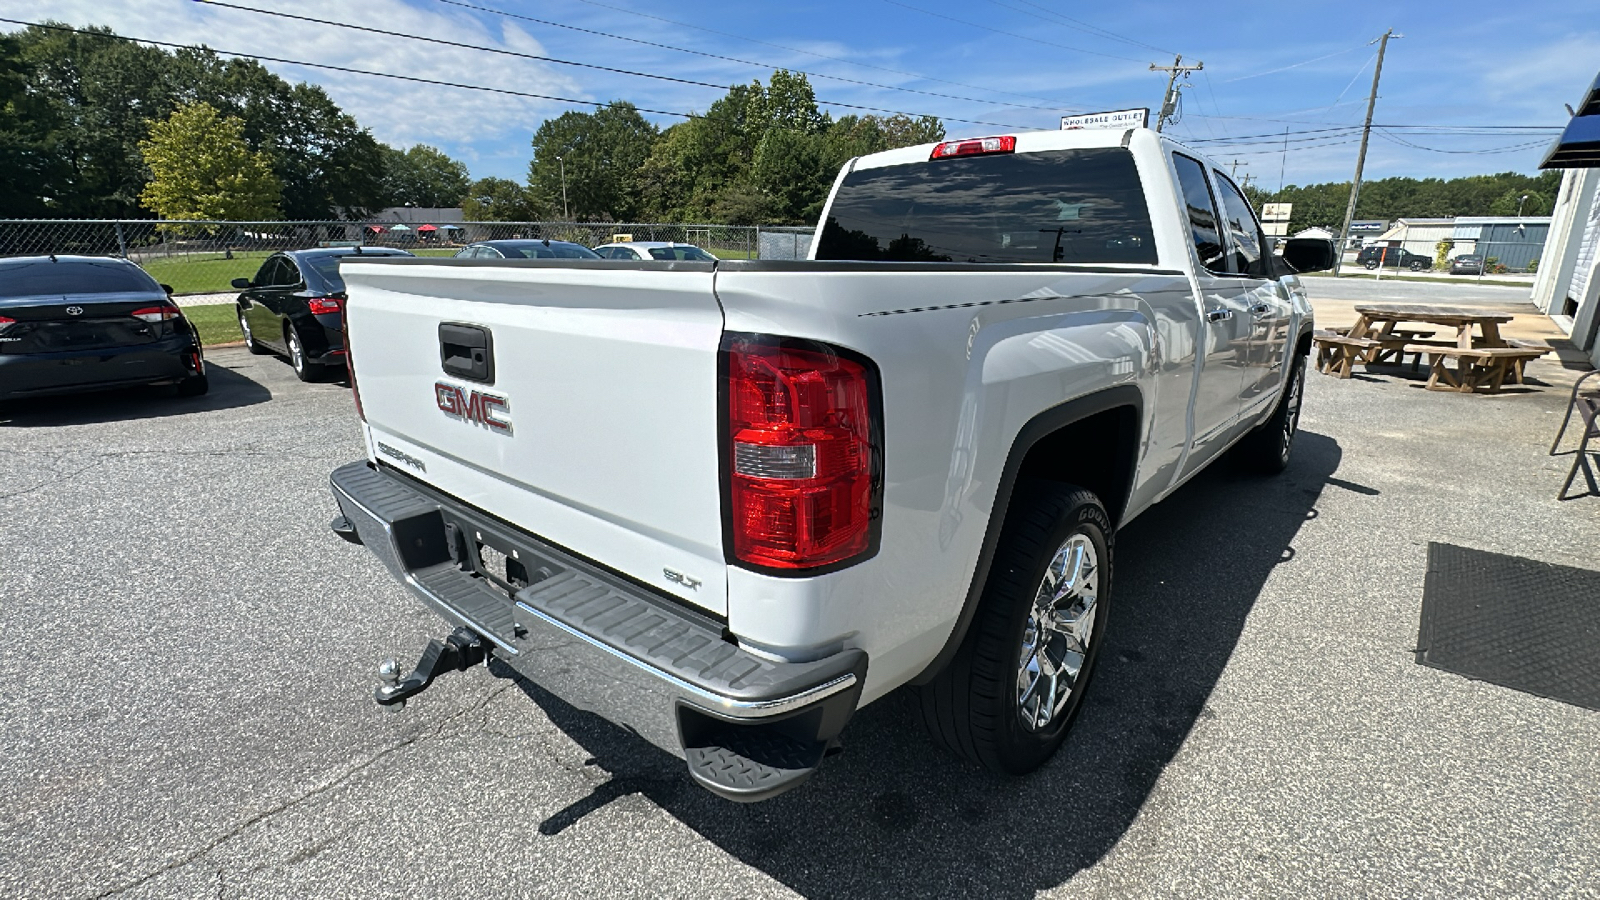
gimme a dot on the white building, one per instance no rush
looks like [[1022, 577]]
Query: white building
[[1568, 286]]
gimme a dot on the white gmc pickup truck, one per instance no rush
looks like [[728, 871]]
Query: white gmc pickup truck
[[725, 504]]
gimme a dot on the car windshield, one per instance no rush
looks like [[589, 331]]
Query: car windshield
[[1072, 206], [326, 265], [694, 253], [541, 250], [46, 278]]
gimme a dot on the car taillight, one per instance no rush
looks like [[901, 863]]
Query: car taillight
[[323, 305], [975, 147], [156, 313], [6, 322], [802, 431]]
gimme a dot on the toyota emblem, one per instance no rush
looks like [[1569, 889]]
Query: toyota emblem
[[74, 310]]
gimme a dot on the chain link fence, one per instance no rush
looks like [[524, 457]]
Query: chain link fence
[[199, 257]]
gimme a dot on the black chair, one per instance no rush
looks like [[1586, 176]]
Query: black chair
[[1587, 405]]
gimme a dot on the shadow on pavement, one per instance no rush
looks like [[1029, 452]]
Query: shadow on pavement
[[228, 390], [894, 816]]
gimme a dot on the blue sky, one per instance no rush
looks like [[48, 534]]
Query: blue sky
[[1015, 63]]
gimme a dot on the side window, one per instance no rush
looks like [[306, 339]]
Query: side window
[[288, 273], [1248, 244], [1202, 213], [265, 274]]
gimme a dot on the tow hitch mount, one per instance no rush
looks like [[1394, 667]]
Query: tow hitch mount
[[459, 652]]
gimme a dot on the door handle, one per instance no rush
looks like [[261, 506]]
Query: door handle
[[1217, 315], [1261, 309]]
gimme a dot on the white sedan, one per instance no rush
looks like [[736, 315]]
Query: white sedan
[[664, 250]]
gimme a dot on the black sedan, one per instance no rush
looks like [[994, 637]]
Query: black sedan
[[82, 323], [526, 249], [295, 306]]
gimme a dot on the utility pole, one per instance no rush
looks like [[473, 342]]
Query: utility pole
[[1361, 159], [564, 213], [1169, 100], [1233, 169]]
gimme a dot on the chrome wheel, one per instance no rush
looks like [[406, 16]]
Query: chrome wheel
[[1056, 637], [297, 356], [244, 327]]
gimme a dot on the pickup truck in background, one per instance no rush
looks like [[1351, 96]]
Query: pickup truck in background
[[725, 504]]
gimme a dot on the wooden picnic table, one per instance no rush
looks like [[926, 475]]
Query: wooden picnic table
[[1375, 321], [1483, 359]]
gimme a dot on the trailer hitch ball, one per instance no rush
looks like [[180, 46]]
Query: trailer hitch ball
[[459, 651], [389, 681]]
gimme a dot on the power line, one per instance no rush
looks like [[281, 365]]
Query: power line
[[811, 53], [1012, 34], [332, 68], [1296, 65], [746, 62], [551, 59], [1399, 140], [1083, 26]]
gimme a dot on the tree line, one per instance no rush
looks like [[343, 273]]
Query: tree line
[[94, 126], [1323, 205], [87, 121]]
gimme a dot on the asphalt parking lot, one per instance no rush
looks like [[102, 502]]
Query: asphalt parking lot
[[185, 692]]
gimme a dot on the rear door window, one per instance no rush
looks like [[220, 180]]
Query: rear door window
[[688, 253], [46, 278], [1202, 210], [1249, 246], [1062, 206]]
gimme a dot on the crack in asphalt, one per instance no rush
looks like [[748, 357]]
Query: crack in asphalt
[[287, 805]]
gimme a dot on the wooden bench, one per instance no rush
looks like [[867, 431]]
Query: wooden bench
[[1478, 367], [1523, 344], [1337, 354]]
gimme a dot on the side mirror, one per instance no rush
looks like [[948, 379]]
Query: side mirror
[[167, 288], [241, 283], [1309, 254]]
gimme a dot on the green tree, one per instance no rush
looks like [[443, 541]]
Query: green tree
[[87, 101], [498, 200], [423, 176], [201, 168], [597, 157]]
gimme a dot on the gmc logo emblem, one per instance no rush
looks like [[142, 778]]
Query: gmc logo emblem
[[490, 410]]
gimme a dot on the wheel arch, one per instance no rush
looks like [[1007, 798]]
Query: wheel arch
[[1048, 446]]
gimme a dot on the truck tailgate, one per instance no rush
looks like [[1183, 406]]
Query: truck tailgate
[[597, 427]]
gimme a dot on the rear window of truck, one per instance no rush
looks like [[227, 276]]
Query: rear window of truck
[[1063, 206]]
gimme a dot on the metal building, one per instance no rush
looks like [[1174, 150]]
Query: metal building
[[1568, 287]]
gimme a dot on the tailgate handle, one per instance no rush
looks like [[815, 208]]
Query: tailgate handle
[[467, 351]]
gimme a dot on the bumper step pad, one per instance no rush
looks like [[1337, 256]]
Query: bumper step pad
[[750, 764]]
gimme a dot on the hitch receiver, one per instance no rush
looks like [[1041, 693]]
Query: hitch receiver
[[459, 652]]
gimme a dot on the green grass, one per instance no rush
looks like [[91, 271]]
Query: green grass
[[211, 273], [204, 273], [732, 254], [218, 323]]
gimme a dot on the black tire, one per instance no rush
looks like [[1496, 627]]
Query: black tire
[[973, 706], [1370, 264], [304, 369], [194, 387], [250, 342], [1266, 450], [1418, 266]]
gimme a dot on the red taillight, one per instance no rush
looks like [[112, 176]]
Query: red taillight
[[975, 147], [6, 322], [156, 313], [321, 306], [801, 454]]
